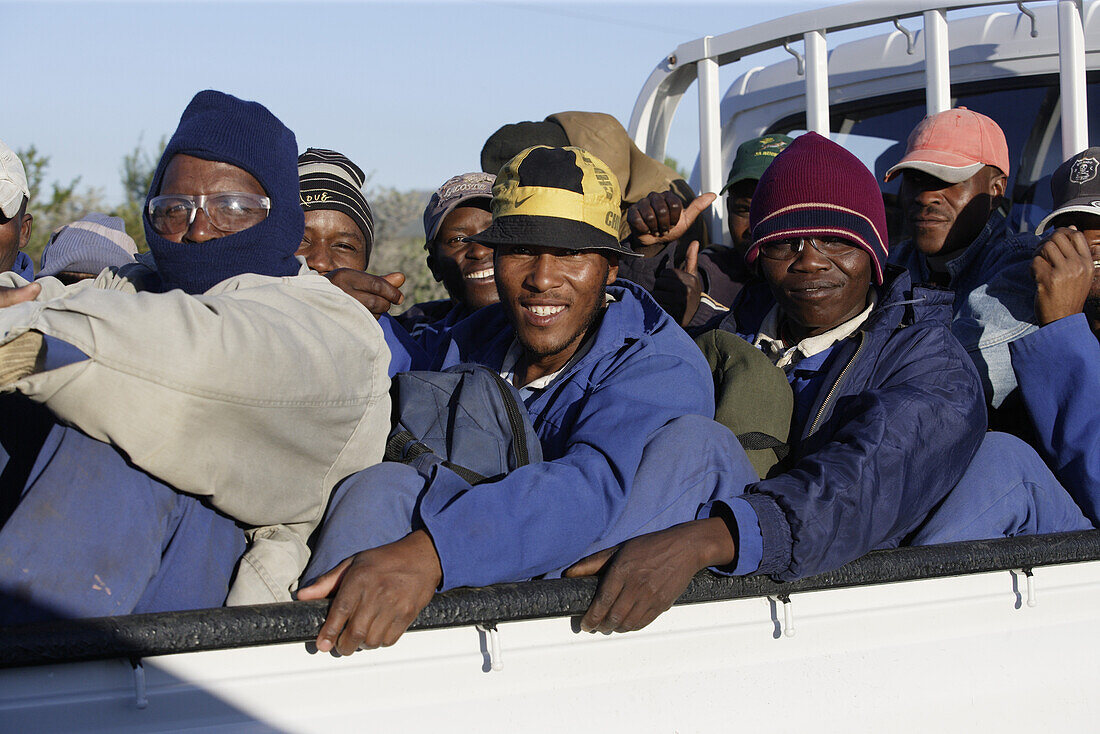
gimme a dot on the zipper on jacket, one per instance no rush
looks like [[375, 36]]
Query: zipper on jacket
[[832, 390], [519, 431]]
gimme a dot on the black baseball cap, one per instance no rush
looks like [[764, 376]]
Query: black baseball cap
[[1075, 186]]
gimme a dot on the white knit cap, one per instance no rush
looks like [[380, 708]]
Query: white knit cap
[[88, 245], [13, 182]]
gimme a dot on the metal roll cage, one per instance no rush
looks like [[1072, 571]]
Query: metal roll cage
[[700, 59]]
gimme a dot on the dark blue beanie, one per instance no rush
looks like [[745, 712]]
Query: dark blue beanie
[[219, 127]]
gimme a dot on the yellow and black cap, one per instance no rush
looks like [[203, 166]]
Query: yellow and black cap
[[556, 197]]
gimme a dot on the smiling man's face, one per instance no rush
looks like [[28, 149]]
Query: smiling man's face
[[333, 240], [552, 297], [818, 292], [463, 265]]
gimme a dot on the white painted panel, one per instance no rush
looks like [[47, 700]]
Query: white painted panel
[[951, 654]]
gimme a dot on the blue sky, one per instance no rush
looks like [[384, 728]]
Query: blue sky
[[410, 91]]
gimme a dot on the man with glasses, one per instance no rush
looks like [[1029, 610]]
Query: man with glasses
[[888, 410], [220, 389]]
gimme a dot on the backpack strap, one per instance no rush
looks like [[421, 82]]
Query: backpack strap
[[758, 441], [395, 446], [515, 420], [468, 475], [403, 447]]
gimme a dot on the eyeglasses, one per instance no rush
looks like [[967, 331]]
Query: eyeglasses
[[789, 249], [228, 212]]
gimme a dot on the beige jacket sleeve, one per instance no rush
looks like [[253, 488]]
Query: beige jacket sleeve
[[110, 279], [260, 395]]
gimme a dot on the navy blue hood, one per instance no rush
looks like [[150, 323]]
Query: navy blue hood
[[219, 127]]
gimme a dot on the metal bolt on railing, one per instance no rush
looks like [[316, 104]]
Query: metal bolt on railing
[[141, 698], [1030, 14], [788, 613], [798, 57], [492, 635], [910, 39]]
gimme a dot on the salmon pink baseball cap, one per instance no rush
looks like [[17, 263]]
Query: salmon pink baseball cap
[[953, 145]]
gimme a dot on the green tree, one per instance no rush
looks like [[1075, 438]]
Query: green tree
[[399, 242], [136, 174], [58, 206], [675, 166]]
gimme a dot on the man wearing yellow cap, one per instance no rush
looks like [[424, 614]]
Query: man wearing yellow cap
[[619, 396]]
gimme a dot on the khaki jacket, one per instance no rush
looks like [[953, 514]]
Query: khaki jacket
[[259, 395]]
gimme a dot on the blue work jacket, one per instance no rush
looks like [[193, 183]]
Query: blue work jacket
[[1058, 370], [413, 340], [994, 298], [898, 418], [23, 266], [594, 422]]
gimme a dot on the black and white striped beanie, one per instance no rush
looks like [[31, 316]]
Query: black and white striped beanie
[[329, 180]]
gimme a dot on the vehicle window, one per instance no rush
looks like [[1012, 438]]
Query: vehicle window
[[1031, 197]]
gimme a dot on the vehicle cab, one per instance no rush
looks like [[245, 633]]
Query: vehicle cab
[[1033, 68]]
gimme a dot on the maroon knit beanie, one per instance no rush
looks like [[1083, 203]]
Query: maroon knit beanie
[[816, 187]]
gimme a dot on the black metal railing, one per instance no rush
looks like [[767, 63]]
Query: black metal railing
[[144, 635]]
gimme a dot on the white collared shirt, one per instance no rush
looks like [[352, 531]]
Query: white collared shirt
[[515, 351], [508, 369], [771, 343]]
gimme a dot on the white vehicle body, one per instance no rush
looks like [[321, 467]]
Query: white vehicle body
[[905, 640], [869, 93], [994, 635]]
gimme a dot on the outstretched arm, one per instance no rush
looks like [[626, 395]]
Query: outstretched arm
[[1058, 368], [643, 577], [378, 594], [12, 296], [256, 391], [377, 293]]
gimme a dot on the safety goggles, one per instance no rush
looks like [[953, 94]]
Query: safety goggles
[[227, 212], [789, 249]]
